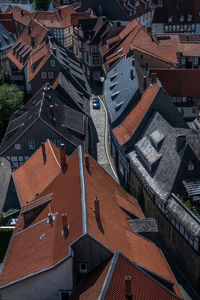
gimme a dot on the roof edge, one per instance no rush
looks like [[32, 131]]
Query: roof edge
[[83, 192]]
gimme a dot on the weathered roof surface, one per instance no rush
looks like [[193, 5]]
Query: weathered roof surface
[[185, 47], [116, 10], [192, 186], [22, 15], [184, 215], [125, 130], [48, 19], [34, 245], [51, 109], [84, 180], [135, 36], [6, 19], [108, 282], [176, 9], [6, 39], [172, 167], [29, 41], [179, 82], [37, 172], [104, 228], [144, 225], [121, 92]]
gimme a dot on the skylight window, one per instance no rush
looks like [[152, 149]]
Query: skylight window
[[115, 94]]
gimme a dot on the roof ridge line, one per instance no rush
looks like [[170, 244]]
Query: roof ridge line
[[53, 153], [109, 276], [83, 193]]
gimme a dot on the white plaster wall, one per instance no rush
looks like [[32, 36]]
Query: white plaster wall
[[44, 286], [157, 28]]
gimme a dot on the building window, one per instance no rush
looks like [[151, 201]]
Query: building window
[[18, 147], [44, 75], [95, 60], [50, 75], [83, 268], [31, 144], [56, 142], [65, 295], [95, 48], [53, 63], [190, 166]]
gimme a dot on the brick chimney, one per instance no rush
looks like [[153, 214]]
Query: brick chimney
[[63, 156], [65, 225], [96, 207], [128, 281]]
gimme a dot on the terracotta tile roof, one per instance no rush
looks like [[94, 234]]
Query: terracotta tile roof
[[112, 222], [179, 82], [106, 225], [29, 41], [48, 19], [41, 56], [143, 285], [125, 130], [37, 172], [134, 36], [64, 14], [42, 245], [22, 16], [187, 48], [7, 21], [90, 289]]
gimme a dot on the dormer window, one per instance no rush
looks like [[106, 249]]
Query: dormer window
[[83, 268], [170, 19], [190, 166]]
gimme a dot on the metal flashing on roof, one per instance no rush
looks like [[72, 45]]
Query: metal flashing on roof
[[83, 192]]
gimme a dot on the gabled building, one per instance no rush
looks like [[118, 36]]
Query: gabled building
[[71, 236], [182, 86], [187, 48], [45, 115], [28, 42], [147, 50], [48, 60], [174, 16], [6, 41], [165, 163], [6, 19], [22, 17], [87, 39]]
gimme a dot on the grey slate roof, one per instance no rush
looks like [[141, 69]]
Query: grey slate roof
[[6, 38], [144, 225], [66, 121], [192, 186], [120, 91], [182, 214], [172, 166]]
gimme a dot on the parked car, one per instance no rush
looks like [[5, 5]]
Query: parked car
[[13, 222], [96, 103]]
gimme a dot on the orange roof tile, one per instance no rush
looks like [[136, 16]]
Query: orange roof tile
[[36, 247], [22, 16], [110, 226], [37, 172], [48, 19], [34, 31], [41, 55], [125, 130]]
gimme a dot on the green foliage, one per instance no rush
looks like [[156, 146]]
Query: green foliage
[[42, 4], [11, 211], [4, 77], [5, 235], [11, 99]]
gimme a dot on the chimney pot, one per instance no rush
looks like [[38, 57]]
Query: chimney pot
[[128, 287], [62, 156], [50, 218]]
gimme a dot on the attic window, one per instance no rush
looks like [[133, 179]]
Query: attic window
[[53, 63], [83, 268], [118, 106], [18, 147], [113, 76], [190, 166], [115, 94]]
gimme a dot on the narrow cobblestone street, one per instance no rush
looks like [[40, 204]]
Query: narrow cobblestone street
[[98, 150]]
